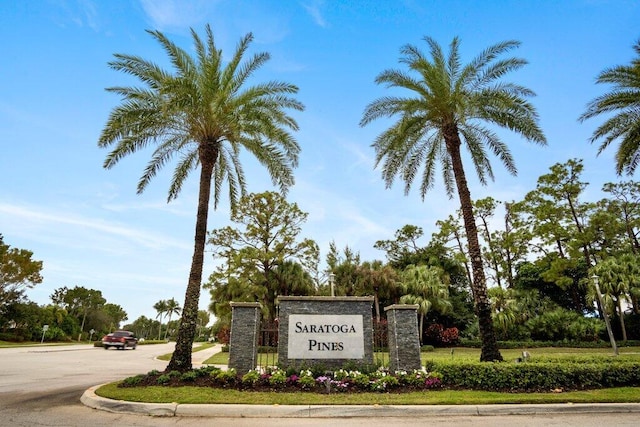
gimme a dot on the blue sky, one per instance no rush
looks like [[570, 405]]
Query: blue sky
[[90, 228]]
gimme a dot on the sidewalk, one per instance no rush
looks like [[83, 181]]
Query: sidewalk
[[198, 357]]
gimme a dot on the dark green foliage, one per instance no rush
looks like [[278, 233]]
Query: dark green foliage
[[541, 344], [206, 371], [541, 376], [633, 326], [225, 378], [189, 376], [620, 107], [132, 381], [561, 324], [163, 379]]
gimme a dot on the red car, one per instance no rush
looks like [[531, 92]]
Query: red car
[[120, 340]]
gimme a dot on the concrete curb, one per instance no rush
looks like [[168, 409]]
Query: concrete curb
[[90, 399]]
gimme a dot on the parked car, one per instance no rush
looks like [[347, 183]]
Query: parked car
[[120, 340]]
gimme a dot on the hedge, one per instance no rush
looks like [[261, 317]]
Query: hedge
[[537, 376], [538, 344]]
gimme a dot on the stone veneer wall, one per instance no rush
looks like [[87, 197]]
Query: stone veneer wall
[[404, 339], [243, 343], [324, 305]]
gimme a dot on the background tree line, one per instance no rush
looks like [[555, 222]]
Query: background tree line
[[539, 255]]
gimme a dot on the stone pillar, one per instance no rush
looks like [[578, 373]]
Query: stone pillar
[[404, 340], [243, 344]]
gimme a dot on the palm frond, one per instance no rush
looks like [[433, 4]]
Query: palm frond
[[203, 102], [449, 99], [623, 101], [187, 163]]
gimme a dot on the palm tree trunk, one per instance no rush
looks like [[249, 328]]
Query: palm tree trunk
[[181, 358], [166, 331], [461, 249], [622, 325], [490, 351], [84, 317]]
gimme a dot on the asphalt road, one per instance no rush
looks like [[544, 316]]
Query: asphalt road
[[41, 386]]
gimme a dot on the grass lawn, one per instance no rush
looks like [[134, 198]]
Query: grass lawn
[[197, 347], [201, 395], [464, 354], [9, 344]]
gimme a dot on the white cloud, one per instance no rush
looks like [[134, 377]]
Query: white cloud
[[313, 8], [40, 219], [176, 14]]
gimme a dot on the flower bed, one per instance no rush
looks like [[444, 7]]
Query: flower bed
[[340, 381]]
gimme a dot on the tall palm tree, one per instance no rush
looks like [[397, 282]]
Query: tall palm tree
[[447, 107], [173, 307], [623, 104], [202, 114], [160, 307]]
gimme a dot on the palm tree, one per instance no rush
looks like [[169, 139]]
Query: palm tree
[[448, 106], [173, 307], [623, 101], [161, 308], [424, 287], [378, 280], [202, 115], [617, 277], [504, 309]]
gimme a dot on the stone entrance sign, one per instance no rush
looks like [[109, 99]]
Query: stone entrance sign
[[325, 331], [318, 336]]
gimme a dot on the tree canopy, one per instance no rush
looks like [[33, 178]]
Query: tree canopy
[[18, 272]]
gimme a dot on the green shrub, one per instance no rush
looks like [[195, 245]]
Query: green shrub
[[188, 376], [306, 380], [278, 377], [251, 377], [227, 377], [539, 375], [382, 381], [163, 379], [564, 325], [133, 381], [540, 344], [206, 371]]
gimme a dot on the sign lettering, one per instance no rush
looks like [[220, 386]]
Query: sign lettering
[[318, 336]]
